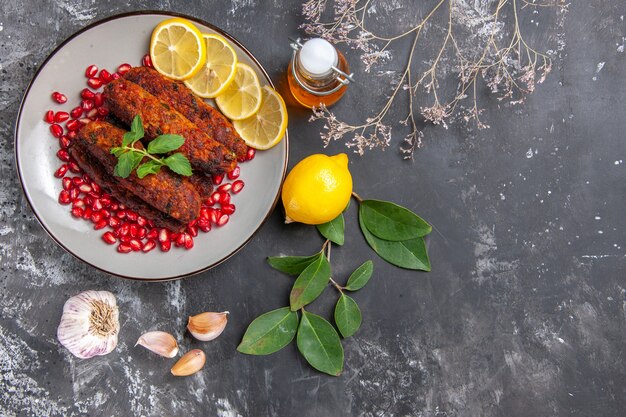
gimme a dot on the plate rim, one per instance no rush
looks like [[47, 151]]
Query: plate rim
[[99, 22]]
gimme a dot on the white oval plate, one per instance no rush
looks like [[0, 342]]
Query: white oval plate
[[107, 44]]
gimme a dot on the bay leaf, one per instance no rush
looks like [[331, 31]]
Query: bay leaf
[[347, 316], [360, 276], [320, 345], [310, 283], [269, 332], [333, 230], [292, 265], [389, 221]]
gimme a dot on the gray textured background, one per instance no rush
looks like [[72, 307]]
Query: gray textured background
[[524, 313]]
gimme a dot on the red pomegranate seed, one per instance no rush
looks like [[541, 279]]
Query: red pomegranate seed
[[121, 214], [105, 76], [224, 199], [78, 202], [73, 166], [64, 142], [87, 214], [148, 246], [141, 221], [67, 183], [61, 116], [96, 217], [109, 238], [49, 116], [71, 135], [72, 125], [152, 234], [92, 114], [85, 188], [63, 155], [165, 246], [96, 205], [98, 99], [60, 173], [124, 68], [132, 216], [96, 187], [88, 200], [94, 83], [134, 230], [251, 153], [224, 188], [100, 224], [141, 232], [223, 219], [237, 186], [78, 181], [234, 174], [204, 224], [217, 179], [77, 212], [76, 112], [135, 244], [114, 221], [123, 230], [124, 248], [87, 105], [188, 241], [214, 215], [74, 193], [193, 230], [91, 71], [228, 209], [125, 239], [56, 130], [58, 97], [64, 197], [87, 94], [215, 197], [204, 213], [180, 240], [103, 111], [164, 235], [105, 213], [147, 61]]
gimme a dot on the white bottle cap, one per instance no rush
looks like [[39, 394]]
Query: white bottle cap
[[318, 56]]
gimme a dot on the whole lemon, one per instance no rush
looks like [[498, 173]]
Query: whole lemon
[[317, 189]]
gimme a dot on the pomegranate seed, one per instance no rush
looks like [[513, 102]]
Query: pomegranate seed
[[135, 244], [96, 217], [74, 193], [224, 188], [193, 230], [133, 230], [165, 246], [188, 241], [251, 153], [96, 187], [147, 61], [100, 224], [105, 76], [63, 155], [224, 199], [217, 179], [132, 216], [123, 230], [73, 166], [64, 197], [124, 68], [123, 248], [237, 186], [141, 221], [114, 206], [94, 83], [78, 202], [76, 112], [125, 239], [98, 99], [56, 130], [204, 224], [150, 223], [72, 125], [60, 173], [87, 214], [85, 188], [148, 246], [77, 212], [114, 221], [61, 116], [164, 235], [234, 174], [152, 234], [87, 105], [91, 71], [215, 197], [214, 215], [121, 214], [78, 181], [105, 213], [141, 232], [228, 209], [49, 116], [67, 183], [103, 111], [58, 97], [109, 238], [96, 205], [64, 142], [88, 200], [72, 135], [105, 200], [204, 213], [92, 114], [180, 240], [87, 94], [223, 219], [115, 76]]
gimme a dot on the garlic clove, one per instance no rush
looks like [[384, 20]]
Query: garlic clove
[[190, 363], [90, 324], [207, 326], [161, 343]]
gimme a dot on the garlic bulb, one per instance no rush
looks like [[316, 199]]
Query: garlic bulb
[[161, 343], [190, 363], [90, 324], [207, 326]]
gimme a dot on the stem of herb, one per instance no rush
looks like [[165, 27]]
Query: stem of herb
[[357, 197]]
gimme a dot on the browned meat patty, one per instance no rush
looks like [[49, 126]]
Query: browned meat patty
[[126, 99], [165, 191], [178, 96], [203, 185]]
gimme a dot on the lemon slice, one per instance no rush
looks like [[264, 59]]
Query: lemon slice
[[177, 49], [218, 70], [267, 126], [242, 97]]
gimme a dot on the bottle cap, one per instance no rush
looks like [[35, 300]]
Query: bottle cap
[[318, 56]]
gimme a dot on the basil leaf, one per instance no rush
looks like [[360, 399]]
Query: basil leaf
[[150, 167], [124, 165], [360, 276], [333, 230], [410, 254], [165, 144], [292, 265], [320, 345], [310, 283], [347, 316], [390, 221], [137, 128], [179, 164], [269, 332]]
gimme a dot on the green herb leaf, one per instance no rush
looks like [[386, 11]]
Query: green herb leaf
[[129, 138], [165, 144], [390, 221], [347, 316], [269, 332], [292, 265], [124, 165], [118, 151], [310, 283], [360, 276], [179, 164], [137, 128], [320, 345], [137, 157], [150, 167], [410, 254], [333, 230]]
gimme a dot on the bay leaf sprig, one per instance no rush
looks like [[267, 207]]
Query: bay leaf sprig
[[130, 157]]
